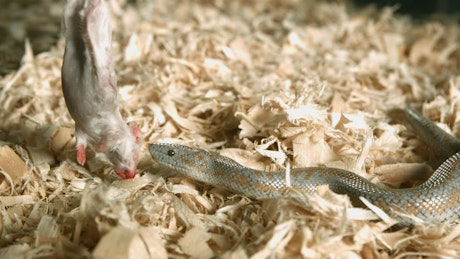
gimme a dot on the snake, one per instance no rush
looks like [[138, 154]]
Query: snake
[[436, 200]]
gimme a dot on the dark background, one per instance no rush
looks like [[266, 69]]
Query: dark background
[[417, 8]]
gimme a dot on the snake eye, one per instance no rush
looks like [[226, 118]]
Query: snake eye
[[171, 152]]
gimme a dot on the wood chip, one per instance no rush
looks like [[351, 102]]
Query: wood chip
[[271, 84], [12, 164]]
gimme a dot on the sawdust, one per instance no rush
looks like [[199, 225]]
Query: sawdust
[[271, 83]]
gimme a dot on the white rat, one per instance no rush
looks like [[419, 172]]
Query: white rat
[[90, 88]]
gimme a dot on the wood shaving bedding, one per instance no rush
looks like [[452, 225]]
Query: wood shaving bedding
[[269, 83]]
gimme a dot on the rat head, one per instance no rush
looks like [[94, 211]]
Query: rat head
[[125, 155]]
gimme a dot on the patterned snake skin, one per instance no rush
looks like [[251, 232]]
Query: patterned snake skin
[[436, 200]]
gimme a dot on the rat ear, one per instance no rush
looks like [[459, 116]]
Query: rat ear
[[136, 133]]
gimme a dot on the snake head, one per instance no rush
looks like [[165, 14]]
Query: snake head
[[177, 157], [195, 163]]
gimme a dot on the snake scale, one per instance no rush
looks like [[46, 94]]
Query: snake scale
[[436, 200]]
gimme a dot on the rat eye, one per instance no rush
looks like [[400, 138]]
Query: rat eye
[[171, 152]]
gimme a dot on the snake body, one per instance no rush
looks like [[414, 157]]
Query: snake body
[[436, 200]]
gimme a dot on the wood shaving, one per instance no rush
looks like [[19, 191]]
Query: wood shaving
[[271, 84]]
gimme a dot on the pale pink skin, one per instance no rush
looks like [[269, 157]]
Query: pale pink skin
[[90, 88]]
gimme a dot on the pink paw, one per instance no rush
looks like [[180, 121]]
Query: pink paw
[[136, 133], [81, 155]]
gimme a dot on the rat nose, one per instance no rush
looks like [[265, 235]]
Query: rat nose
[[126, 174]]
